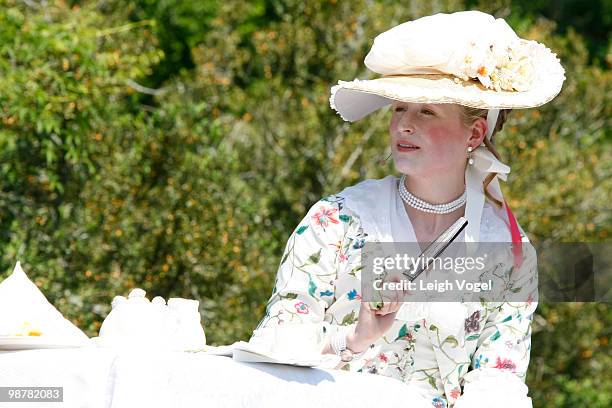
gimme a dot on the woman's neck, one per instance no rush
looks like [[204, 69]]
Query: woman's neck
[[435, 190]]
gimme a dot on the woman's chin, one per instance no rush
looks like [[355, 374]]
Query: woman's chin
[[420, 168], [408, 167]]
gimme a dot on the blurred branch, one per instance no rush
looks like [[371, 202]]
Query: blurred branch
[[125, 27], [364, 140], [31, 3], [269, 135], [143, 89]]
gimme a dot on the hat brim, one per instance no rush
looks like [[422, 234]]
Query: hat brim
[[356, 99]]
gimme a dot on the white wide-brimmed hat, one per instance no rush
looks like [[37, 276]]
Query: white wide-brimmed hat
[[467, 58]]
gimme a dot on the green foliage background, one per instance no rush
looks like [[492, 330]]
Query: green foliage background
[[174, 144]]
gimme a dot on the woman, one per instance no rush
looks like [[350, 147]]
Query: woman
[[446, 77]]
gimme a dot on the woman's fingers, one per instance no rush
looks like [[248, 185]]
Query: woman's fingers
[[396, 306], [392, 300], [389, 307], [384, 310]]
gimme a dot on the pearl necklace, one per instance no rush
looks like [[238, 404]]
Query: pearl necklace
[[424, 206]]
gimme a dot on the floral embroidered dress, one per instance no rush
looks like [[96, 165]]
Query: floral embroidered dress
[[461, 354]]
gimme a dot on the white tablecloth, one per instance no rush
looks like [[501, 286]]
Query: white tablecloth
[[96, 378]]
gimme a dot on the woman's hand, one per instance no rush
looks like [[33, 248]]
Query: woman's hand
[[372, 325], [374, 322]]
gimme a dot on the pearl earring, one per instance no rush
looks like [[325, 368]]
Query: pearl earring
[[470, 159]]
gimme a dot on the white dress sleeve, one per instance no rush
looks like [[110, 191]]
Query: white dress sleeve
[[304, 287]]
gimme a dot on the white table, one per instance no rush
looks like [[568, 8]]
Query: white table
[[96, 378]]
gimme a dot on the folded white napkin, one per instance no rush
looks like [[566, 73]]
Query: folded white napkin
[[137, 322], [24, 311]]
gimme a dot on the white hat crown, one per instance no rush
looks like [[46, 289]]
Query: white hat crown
[[468, 45]]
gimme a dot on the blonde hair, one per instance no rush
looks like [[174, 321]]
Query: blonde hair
[[468, 116]]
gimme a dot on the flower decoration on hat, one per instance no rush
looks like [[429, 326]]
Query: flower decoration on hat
[[501, 67]]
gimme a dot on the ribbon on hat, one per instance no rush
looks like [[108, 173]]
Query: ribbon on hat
[[485, 162]]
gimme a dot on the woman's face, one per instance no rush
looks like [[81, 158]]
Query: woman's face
[[440, 137]]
